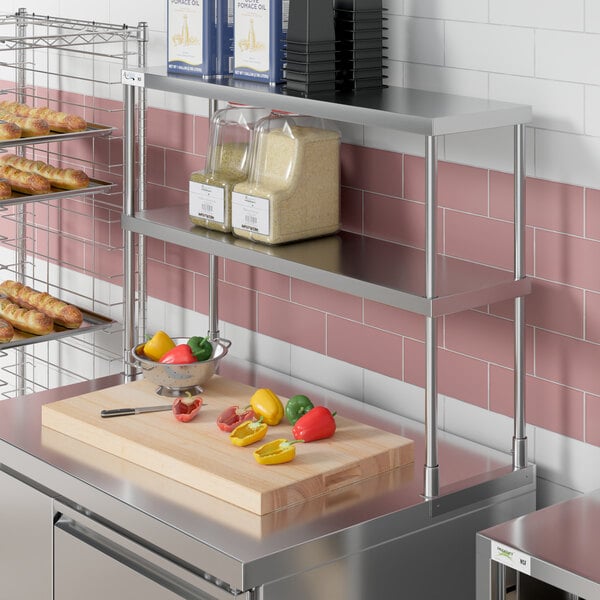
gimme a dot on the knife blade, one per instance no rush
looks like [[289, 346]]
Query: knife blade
[[121, 412]]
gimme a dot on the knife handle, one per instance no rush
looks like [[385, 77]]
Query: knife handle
[[117, 412]]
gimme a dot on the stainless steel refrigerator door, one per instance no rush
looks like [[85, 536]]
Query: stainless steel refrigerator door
[[25, 541], [94, 562]]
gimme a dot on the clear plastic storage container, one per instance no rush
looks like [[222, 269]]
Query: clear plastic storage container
[[293, 189], [227, 162]]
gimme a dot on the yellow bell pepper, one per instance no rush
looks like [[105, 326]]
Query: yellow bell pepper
[[158, 345], [248, 432], [276, 452], [267, 404]]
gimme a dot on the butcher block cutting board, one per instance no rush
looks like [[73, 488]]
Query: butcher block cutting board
[[201, 456]]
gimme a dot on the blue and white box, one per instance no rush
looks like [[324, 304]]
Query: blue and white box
[[260, 28], [191, 37]]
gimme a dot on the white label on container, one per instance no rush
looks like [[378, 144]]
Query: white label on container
[[510, 557], [207, 201], [250, 213]]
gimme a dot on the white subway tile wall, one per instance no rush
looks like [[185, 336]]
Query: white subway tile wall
[[541, 52]]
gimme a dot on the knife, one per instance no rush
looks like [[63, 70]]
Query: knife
[[121, 412]]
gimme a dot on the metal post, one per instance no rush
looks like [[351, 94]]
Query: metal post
[[20, 213], [431, 486], [128, 239], [500, 592], [142, 284], [213, 273], [519, 439]]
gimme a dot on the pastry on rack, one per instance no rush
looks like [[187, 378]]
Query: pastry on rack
[[66, 179], [7, 331], [27, 126], [30, 321], [23, 182], [58, 121], [9, 130], [60, 312], [5, 190]]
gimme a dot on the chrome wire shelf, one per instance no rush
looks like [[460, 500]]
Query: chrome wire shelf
[[68, 244]]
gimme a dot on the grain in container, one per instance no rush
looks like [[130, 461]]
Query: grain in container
[[228, 157], [293, 188]]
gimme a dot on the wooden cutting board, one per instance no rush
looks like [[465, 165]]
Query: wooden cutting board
[[201, 456]]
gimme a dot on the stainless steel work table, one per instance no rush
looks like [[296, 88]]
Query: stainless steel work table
[[352, 527], [558, 545]]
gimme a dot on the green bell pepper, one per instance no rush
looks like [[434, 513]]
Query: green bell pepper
[[201, 347], [297, 406]]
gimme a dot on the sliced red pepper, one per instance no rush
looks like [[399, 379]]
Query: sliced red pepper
[[317, 424], [233, 416], [180, 355], [184, 410]]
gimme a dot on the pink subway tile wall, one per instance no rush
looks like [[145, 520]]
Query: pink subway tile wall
[[383, 196]]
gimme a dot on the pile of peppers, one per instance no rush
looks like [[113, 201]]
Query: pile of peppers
[[161, 348], [250, 424]]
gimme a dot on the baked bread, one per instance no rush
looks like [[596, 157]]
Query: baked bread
[[5, 190], [28, 126], [66, 179], [60, 312], [9, 130], [57, 120], [30, 321], [7, 331], [26, 183]]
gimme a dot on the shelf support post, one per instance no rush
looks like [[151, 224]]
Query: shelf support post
[[213, 271], [128, 239], [431, 485], [142, 279], [519, 438], [20, 212]]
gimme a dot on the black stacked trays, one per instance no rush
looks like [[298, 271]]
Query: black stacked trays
[[360, 35], [311, 47]]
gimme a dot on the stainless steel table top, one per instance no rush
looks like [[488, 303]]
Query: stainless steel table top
[[232, 543], [566, 536]]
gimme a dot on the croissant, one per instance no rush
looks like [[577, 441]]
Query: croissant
[[58, 121], [60, 312], [27, 126], [67, 179], [26, 183], [31, 321]]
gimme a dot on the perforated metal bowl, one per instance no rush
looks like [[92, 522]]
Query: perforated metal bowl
[[175, 380]]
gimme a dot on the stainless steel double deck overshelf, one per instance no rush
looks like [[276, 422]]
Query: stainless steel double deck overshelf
[[419, 281]]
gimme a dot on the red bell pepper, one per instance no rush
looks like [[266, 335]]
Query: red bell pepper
[[317, 424], [233, 416], [185, 409], [180, 355]]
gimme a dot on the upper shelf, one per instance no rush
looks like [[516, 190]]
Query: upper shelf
[[403, 109], [382, 271]]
